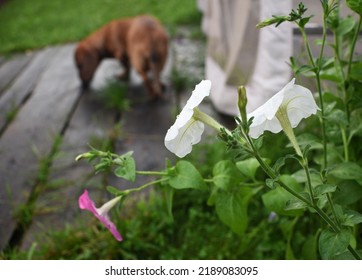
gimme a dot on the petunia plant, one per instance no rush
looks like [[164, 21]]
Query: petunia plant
[[298, 155]]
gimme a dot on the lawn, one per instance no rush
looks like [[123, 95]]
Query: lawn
[[34, 24]]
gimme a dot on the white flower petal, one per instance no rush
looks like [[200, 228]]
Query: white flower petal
[[180, 140], [298, 102], [185, 115], [199, 93], [267, 111], [272, 125], [264, 116], [186, 131]]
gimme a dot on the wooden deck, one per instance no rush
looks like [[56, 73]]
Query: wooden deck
[[46, 121]]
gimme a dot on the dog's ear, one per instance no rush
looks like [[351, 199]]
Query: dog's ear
[[87, 61]]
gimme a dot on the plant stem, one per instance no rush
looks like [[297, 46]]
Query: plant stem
[[349, 68], [354, 253], [354, 41], [309, 181], [208, 180], [332, 207], [326, 218], [338, 63], [145, 186], [339, 68], [157, 173], [345, 144], [319, 88]]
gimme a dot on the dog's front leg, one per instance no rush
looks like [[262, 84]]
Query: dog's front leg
[[124, 60]]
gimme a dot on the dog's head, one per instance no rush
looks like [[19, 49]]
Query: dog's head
[[87, 61]]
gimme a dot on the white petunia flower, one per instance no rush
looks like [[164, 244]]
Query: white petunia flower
[[188, 128], [286, 108]]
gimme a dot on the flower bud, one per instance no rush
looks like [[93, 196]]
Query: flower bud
[[274, 20], [242, 102]]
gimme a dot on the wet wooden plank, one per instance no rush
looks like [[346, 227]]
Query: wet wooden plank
[[144, 127], [24, 84], [58, 205], [31, 135], [92, 123], [11, 68], [2, 60]]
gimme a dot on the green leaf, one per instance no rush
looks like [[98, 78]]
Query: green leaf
[[304, 21], [127, 168], [309, 249], [339, 212], [281, 162], [212, 197], [337, 116], [103, 165], [347, 171], [231, 207], [352, 218], [330, 74], [355, 5], [294, 204], [332, 101], [287, 227], [326, 62], [332, 244], [226, 175], [289, 254], [301, 177], [323, 189], [186, 176], [357, 130], [356, 72], [168, 192], [305, 70], [348, 192], [248, 167], [346, 25], [276, 200], [271, 183], [307, 139]]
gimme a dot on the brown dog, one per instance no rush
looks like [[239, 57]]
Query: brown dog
[[140, 41]]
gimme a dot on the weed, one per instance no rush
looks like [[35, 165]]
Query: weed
[[114, 96]]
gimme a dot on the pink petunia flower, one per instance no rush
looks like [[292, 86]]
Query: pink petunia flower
[[85, 203]]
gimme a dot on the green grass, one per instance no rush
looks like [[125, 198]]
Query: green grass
[[35, 24]]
